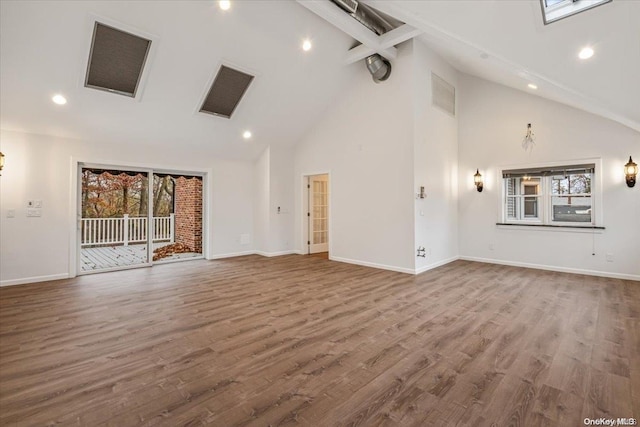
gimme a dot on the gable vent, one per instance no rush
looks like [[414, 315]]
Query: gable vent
[[226, 92], [443, 95], [116, 60]]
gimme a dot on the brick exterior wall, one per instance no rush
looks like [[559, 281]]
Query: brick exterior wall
[[188, 211]]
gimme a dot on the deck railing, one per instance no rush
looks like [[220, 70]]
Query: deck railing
[[124, 231]]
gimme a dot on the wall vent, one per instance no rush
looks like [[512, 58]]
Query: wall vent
[[116, 60], [227, 90], [443, 95]]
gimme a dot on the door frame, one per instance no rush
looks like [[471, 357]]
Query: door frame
[[78, 216], [304, 198], [75, 203]]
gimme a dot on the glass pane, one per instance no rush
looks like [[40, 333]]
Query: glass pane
[[580, 183], [512, 185], [571, 184], [531, 186], [513, 208], [571, 209], [530, 207], [559, 185], [177, 217], [114, 228]]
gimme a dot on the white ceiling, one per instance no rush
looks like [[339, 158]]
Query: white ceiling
[[506, 42], [44, 47]]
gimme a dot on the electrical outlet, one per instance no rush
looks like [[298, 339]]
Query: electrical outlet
[[34, 213], [37, 203], [609, 257]]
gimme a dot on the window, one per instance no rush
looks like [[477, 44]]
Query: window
[[559, 195], [553, 10]]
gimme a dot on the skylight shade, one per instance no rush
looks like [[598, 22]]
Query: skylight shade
[[227, 90], [116, 60], [443, 94]]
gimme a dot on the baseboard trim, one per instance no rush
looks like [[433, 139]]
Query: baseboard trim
[[231, 255], [272, 254], [373, 265], [633, 277], [436, 265], [34, 279]]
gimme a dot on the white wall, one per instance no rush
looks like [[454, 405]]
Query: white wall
[[435, 164], [273, 188], [281, 192], [493, 121], [39, 168], [261, 201], [365, 142]]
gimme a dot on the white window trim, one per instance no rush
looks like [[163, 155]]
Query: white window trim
[[567, 8], [545, 221]]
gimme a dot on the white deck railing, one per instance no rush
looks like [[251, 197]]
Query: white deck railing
[[123, 231]]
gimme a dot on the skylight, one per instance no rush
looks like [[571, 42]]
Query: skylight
[[226, 92], [554, 10], [116, 60]]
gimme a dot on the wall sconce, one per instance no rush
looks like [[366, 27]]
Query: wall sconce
[[630, 172], [477, 180], [1, 161], [421, 194]]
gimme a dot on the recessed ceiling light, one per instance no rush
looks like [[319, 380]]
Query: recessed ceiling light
[[586, 53], [246, 134], [532, 86], [59, 99], [224, 4], [306, 45]]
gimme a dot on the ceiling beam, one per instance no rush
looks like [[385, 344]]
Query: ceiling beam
[[335, 16], [385, 41]]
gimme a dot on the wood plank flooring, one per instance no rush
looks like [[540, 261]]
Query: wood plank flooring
[[299, 340]]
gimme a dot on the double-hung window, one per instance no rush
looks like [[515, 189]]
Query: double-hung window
[[558, 195]]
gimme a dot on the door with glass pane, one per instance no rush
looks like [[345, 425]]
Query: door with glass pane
[[177, 216], [113, 219], [318, 213]]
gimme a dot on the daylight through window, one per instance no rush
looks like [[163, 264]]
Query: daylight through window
[[553, 10], [553, 196]]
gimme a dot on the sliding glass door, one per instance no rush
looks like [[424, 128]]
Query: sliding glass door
[[114, 219], [178, 216], [131, 218]]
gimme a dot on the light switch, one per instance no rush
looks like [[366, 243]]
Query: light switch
[[37, 203], [34, 212]]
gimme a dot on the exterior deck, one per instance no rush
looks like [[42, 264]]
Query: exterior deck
[[100, 258], [121, 242]]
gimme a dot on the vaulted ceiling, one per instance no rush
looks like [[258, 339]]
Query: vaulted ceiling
[[44, 48]]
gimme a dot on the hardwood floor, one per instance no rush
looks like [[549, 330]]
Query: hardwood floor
[[308, 341]]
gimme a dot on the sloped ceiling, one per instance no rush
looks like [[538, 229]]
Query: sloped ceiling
[[507, 42], [44, 50]]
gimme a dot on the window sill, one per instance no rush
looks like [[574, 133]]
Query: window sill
[[549, 227]]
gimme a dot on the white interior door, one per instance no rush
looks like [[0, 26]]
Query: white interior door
[[318, 213]]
